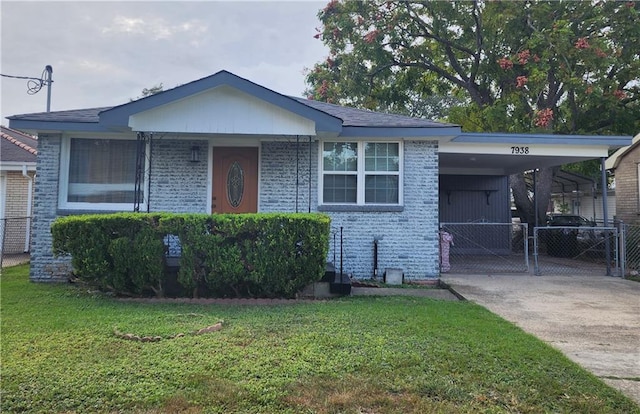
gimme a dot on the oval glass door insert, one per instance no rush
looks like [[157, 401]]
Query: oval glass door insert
[[235, 184]]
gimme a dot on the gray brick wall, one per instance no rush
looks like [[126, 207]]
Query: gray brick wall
[[177, 184], [44, 266], [278, 176], [407, 240]]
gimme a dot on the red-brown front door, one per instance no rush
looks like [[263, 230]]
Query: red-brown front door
[[235, 180]]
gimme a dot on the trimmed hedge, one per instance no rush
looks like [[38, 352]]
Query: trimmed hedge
[[222, 255]]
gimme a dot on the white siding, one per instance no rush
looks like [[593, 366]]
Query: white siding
[[222, 110]]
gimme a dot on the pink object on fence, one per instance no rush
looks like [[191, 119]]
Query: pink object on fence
[[446, 240]]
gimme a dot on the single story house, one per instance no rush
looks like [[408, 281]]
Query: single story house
[[17, 175], [223, 144], [624, 164]]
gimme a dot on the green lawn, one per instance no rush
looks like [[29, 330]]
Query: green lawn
[[352, 355]]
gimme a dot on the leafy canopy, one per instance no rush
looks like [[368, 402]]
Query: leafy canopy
[[568, 67]]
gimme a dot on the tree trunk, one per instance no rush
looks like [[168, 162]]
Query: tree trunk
[[523, 195]]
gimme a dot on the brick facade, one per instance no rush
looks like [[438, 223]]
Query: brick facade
[[407, 239], [177, 184], [278, 177], [16, 211], [44, 266], [627, 198]]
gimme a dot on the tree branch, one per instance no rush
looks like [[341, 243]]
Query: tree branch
[[479, 42], [429, 34]]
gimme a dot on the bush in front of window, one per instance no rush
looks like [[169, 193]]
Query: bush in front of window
[[116, 252], [222, 255], [250, 255]]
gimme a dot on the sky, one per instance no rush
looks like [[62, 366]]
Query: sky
[[106, 53]]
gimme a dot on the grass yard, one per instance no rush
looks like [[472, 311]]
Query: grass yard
[[354, 355]]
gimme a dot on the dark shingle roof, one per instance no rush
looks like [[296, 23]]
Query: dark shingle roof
[[16, 146], [89, 115], [351, 117], [364, 118]]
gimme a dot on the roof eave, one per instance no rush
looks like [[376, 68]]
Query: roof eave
[[51, 126], [119, 115], [18, 165], [432, 134], [611, 141]]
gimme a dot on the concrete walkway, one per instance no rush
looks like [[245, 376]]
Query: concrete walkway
[[593, 320]]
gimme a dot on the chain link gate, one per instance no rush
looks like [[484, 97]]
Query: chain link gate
[[571, 250], [629, 249], [494, 248], [484, 248]]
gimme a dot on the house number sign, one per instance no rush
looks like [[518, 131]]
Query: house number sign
[[520, 150]]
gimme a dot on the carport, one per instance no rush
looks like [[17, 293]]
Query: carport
[[475, 198], [500, 155]]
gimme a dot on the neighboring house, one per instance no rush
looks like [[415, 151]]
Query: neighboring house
[[17, 174], [223, 144], [624, 164]]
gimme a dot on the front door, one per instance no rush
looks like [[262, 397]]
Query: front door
[[235, 180]]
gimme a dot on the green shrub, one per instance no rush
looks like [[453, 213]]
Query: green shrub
[[248, 255], [120, 252]]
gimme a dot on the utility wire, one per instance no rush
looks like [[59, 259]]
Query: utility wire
[[34, 85]]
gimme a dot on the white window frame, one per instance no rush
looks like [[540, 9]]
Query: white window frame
[[361, 173], [63, 187]]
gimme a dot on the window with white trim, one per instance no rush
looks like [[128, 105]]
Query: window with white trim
[[361, 173], [98, 173]]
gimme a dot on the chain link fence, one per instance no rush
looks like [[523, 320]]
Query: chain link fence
[[15, 240], [576, 250], [484, 248], [494, 248], [630, 249]]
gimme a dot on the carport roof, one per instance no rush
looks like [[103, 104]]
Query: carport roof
[[567, 182], [504, 154]]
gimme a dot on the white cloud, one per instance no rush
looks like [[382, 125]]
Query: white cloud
[[155, 28], [104, 53]]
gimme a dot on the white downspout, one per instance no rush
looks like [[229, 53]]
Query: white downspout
[[29, 201]]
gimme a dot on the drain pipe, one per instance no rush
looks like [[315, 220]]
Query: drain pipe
[[29, 201], [341, 253], [375, 259]]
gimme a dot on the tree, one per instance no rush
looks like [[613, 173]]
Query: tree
[[537, 66], [149, 91]]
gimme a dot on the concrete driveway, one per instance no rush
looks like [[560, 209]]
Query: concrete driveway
[[593, 320]]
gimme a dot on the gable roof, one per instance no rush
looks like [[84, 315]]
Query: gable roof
[[329, 118], [17, 147], [614, 159], [119, 115]]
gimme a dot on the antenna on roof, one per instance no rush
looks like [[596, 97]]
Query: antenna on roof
[[34, 85]]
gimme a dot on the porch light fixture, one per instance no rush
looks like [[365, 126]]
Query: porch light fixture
[[195, 154]]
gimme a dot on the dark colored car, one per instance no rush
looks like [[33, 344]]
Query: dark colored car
[[571, 220], [570, 239]]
